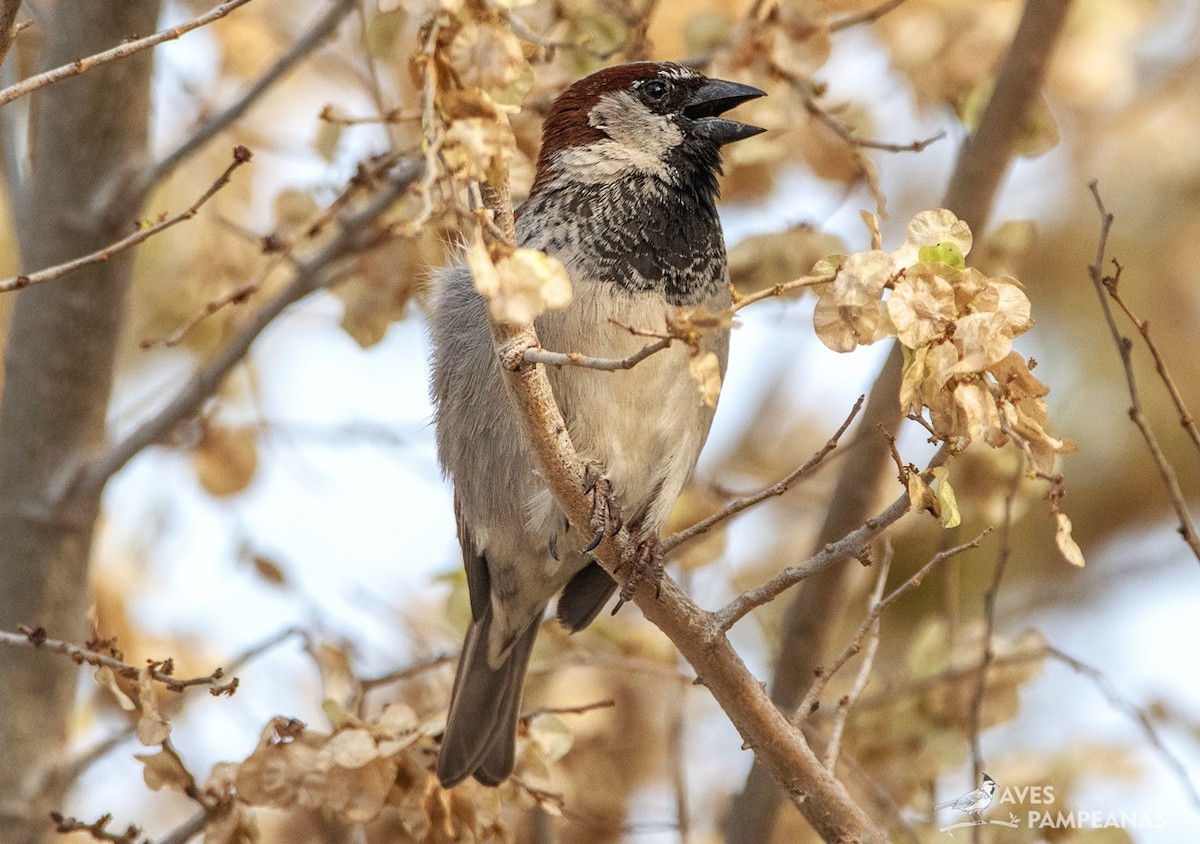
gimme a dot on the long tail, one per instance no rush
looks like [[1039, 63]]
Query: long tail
[[481, 729]]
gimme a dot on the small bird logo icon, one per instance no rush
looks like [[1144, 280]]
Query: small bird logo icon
[[973, 803]]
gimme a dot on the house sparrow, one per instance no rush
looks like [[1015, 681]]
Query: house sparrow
[[624, 196]]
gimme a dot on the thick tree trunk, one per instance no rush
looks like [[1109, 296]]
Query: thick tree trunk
[[87, 132]]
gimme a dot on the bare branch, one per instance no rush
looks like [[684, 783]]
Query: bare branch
[[161, 672], [1136, 412], [865, 16], [1186, 419], [888, 697], [69, 770], [834, 748], [526, 34], [846, 132], [607, 703], [779, 488], [437, 660], [855, 645], [211, 127], [313, 273], [779, 290], [989, 621], [548, 358], [97, 829], [280, 246], [241, 155], [394, 115], [85, 64], [850, 545], [1135, 713]]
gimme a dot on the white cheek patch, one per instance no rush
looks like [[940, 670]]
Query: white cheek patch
[[638, 139]]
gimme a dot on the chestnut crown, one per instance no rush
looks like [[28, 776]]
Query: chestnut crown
[[657, 119]]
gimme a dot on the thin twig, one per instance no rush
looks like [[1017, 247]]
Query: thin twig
[[1186, 419], [865, 16], [833, 749], [548, 358], [71, 769], [850, 545], [160, 672], [808, 704], [406, 673], [355, 235], [213, 125], [374, 85], [607, 703], [526, 34], [395, 115], [677, 742], [1136, 412], [241, 155], [97, 829], [280, 246], [256, 650], [779, 290], [1135, 713], [988, 656], [122, 51], [847, 134], [889, 697], [779, 488]]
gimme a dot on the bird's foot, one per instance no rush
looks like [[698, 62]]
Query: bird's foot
[[606, 514], [645, 560]]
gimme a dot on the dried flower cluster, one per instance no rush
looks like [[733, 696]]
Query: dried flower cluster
[[364, 766], [956, 326]]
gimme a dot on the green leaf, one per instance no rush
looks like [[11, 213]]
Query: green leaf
[[943, 253]]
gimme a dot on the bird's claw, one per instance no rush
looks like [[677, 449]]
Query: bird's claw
[[645, 560], [606, 515]]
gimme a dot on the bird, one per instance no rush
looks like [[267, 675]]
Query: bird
[[974, 802], [624, 196]]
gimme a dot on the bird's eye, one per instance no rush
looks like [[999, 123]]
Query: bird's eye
[[655, 89]]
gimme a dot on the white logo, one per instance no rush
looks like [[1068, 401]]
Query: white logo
[[1042, 814], [974, 803]]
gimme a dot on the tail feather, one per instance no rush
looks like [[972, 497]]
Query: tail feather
[[585, 595], [480, 737]]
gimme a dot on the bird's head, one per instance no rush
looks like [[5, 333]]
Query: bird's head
[[648, 119], [989, 784]]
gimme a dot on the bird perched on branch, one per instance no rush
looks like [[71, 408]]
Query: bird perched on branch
[[624, 197]]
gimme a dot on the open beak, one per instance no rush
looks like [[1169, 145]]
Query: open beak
[[715, 98]]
